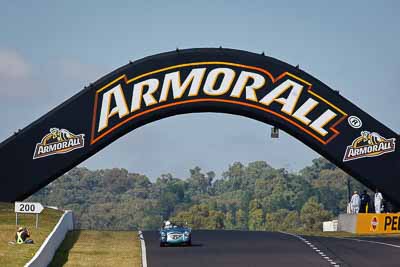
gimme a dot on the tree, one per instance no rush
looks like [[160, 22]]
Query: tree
[[199, 182], [312, 172], [313, 214], [234, 177], [229, 221], [256, 219], [241, 220], [282, 220], [201, 217], [255, 196]]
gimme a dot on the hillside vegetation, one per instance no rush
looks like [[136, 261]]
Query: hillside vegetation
[[247, 197]]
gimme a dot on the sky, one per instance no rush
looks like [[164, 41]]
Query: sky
[[49, 50]]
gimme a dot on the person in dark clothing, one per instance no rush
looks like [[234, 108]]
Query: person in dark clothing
[[21, 237], [365, 202]]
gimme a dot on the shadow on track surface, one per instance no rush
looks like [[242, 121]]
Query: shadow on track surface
[[354, 252], [194, 245], [233, 248]]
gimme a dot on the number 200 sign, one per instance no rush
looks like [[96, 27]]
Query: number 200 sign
[[28, 207]]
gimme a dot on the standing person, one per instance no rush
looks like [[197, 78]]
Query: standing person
[[378, 201], [365, 200], [355, 203]]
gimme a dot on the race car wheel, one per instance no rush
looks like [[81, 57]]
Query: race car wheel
[[162, 244]]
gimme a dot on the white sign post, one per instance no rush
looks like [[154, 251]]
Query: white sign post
[[28, 207]]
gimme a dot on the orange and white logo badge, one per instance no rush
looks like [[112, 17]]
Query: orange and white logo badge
[[374, 223], [58, 141], [369, 145]]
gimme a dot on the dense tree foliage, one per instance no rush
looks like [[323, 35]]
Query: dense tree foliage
[[252, 197]]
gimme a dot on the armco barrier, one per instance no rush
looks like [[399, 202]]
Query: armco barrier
[[46, 252]]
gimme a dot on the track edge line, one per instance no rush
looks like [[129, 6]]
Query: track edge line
[[143, 246]]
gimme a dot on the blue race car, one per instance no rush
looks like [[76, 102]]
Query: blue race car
[[175, 234]]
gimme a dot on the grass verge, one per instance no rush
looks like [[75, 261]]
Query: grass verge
[[99, 248], [18, 255]]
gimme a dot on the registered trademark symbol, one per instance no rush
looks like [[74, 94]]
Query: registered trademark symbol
[[355, 122]]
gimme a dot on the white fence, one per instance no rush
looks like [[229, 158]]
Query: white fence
[[49, 247]]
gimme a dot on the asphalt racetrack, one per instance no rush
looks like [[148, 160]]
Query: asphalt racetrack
[[253, 249]]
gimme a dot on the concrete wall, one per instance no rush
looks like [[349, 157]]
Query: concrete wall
[[347, 223], [46, 252]]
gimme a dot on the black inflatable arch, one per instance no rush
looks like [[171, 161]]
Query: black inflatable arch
[[200, 80]]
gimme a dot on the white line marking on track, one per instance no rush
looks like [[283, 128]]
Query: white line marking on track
[[369, 241], [143, 245], [311, 245]]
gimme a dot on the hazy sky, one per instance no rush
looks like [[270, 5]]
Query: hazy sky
[[49, 50]]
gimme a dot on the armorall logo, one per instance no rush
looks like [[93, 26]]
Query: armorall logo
[[58, 141], [287, 97], [369, 145]]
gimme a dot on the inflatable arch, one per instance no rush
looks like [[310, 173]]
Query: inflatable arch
[[201, 80]]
